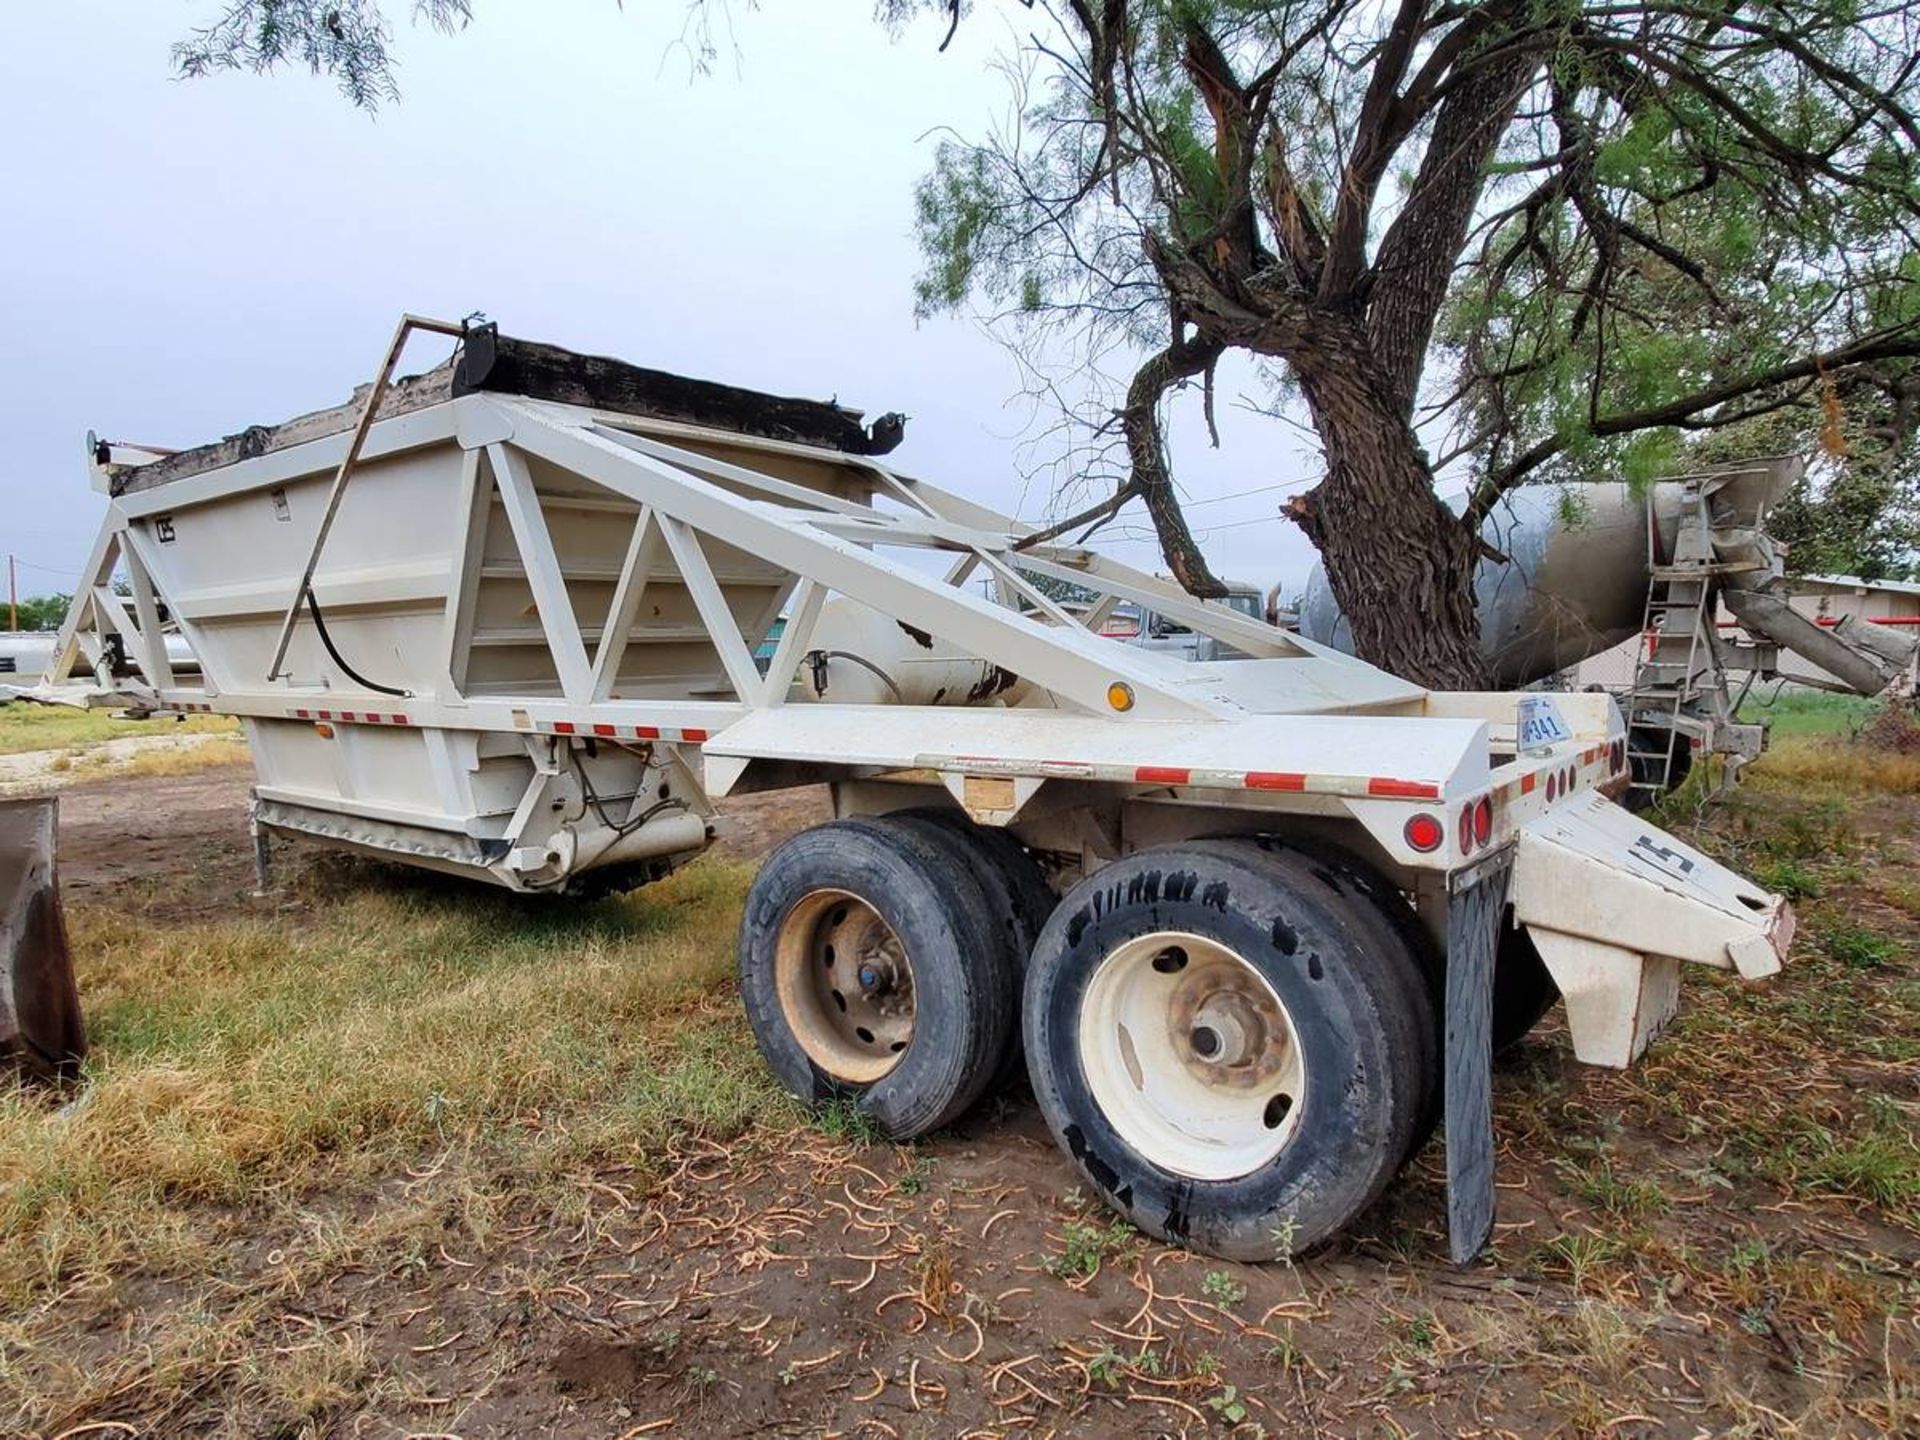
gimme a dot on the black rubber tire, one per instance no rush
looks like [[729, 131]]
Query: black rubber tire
[[1348, 1003], [1523, 990], [1021, 899], [1031, 897], [965, 997], [1401, 939]]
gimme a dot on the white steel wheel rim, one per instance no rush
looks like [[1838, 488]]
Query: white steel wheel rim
[[845, 985], [1191, 1056]]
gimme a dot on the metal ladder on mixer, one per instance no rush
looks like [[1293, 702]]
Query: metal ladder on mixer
[[1673, 637]]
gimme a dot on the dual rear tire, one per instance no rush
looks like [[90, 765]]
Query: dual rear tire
[[880, 964], [1235, 1041]]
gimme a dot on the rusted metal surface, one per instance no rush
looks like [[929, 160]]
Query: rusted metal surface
[[41, 1031], [489, 362]]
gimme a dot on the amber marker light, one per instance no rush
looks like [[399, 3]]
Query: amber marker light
[[1120, 695]]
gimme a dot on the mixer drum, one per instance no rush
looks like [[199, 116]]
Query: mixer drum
[[1572, 583]]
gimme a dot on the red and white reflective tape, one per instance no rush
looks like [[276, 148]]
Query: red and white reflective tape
[[352, 717], [1564, 776], [601, 730], [1378, 787]]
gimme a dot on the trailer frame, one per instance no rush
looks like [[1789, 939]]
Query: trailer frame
[[506, 750]]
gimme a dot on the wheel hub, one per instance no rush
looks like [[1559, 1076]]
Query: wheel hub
[[1227, 1026], [1190, 1054], [845, 985]]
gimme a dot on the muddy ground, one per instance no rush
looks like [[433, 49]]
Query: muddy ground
[[807, 1284]]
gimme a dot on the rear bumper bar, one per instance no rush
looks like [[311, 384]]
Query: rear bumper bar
[[1616, 907]]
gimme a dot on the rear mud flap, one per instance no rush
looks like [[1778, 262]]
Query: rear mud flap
[[1474, 913], [41, 1032]]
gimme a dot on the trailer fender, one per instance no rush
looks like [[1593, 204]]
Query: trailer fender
[[1616, 905]]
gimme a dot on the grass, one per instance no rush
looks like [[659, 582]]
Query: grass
[[1832, 765], [25, 727], [200, 753], [1812, 744], [251, 1063], [1085, 1245], [1774, 1076], [1762, 1162], [382, 1076], [1804, 714], [1599, 1183], [1876, 1159]]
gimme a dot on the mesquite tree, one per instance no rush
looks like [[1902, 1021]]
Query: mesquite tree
[[1538, 238], [1468, 226], [347, 39]]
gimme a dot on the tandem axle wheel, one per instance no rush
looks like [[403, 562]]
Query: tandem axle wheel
[[1234, 1041]]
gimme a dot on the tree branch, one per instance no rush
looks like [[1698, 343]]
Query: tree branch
[[1087, 516], [1146, 448], [1415, 265], [1899, 342]]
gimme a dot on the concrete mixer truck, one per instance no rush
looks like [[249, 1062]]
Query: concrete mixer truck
[[1685, 565], [1251, 927]]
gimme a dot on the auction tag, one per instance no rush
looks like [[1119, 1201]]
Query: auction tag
[[1540, 723]]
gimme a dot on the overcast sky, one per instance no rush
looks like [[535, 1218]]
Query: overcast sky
[[184, 259]]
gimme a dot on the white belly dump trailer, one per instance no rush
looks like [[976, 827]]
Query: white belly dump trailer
[[1258, 923]]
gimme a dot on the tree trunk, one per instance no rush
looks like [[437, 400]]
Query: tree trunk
[[1400, 563]]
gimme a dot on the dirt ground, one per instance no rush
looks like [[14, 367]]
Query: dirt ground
[[148, 830], [810, 1284]]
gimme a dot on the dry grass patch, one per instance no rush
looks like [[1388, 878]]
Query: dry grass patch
[[378, 1071], [1827, 763], [254, 1061], [186, 757], [181, 759], [26, 727]]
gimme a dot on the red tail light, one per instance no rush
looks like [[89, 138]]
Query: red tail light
[[1483, 821], [1424, 833]]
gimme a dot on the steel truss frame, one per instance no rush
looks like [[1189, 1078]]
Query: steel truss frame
[[825, 542]]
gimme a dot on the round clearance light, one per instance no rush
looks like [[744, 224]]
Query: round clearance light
[[1120, 695], [1424, 833], [323, 730], [1483, 820]]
